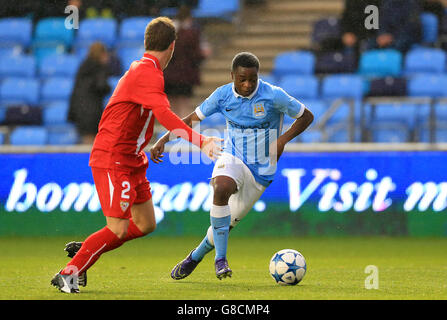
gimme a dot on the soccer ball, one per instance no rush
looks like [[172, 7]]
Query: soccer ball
[[287, 267]]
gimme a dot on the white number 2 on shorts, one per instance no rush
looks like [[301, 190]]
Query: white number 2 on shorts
[[126, 189]]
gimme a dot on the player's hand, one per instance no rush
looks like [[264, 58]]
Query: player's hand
[[157, 151], [211, 146]]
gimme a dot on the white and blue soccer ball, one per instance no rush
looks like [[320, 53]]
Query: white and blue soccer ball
[[287, 267]]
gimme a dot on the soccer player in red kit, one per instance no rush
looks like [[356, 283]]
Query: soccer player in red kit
[[117, 159]]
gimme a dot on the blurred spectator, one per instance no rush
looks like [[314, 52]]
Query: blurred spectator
[[352, 23], [183, 72], [90, 89], [400, 25]]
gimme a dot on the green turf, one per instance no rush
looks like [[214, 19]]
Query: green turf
[[409, 268]]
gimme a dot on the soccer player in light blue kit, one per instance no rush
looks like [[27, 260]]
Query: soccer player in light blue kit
[[254, 111]]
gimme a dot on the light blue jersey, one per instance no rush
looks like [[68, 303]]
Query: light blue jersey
[[253, 123]]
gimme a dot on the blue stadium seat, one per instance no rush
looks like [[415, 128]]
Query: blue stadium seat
[[132, 30], [428, 85], [310, 136], [55, 113], [129, 55], [430, 26], [390, 135], [294, 62], [52, 31], [29, 135], [18, 66], [425, 60], [399, 114], [62, 135], [19, 91], [56, 89], [300, 87], [317, 106], [15, 31], [269, 78], [380, 63], [342, 86], [216, 9], [341, 134], [10, 51], [59, 65], [2, 138], [96, 29], [43, 51]]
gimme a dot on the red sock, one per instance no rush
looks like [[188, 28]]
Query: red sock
[[96, 244], [132, 231]]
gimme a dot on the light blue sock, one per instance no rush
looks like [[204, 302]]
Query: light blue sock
[[220, 221], [203, 248]]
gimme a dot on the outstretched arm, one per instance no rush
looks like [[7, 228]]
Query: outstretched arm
[[158, 148]]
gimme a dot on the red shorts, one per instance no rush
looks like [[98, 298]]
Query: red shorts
[[118, 189]]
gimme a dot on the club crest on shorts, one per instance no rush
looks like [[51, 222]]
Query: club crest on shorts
[[124, 205], [258, 110]]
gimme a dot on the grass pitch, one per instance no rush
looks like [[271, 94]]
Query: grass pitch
[[408, 268]]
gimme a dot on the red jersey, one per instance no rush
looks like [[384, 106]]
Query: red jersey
[[127, 123]]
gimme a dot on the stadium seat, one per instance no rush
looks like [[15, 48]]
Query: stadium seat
[[62, 135], [399, 114], [388, 87], [430, 26], [9, 51], [29, 135], [294, 62], [96, 29], [56, 89], [216, 9], [2, 138], [19, 91], [390, 135], [341, 134], [325, 32], [131, 33], [269, 78], [425, 60], [380, 63], [18, 66], [428, 85], [52, 31], [15, 31], [336, 62], [310, 136], [59, 65], [300, 87], [129, 55], [43, 51], [317, 106], [342, 86], [56, 113]]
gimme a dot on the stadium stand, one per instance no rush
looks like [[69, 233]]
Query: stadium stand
[[39, 61]]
